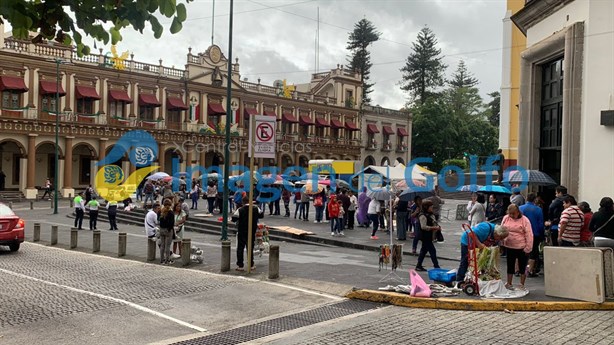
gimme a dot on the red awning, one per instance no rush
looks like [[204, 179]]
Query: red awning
[[351, 126], [247, 112], [336, 124], [120, 96], [148, 100], [175, 103], [86, 92], [270, 113], [402, 132], [15, 84], [321, 122], [215, 109], [288, 117], [50, 87], [372, 128], [306, 120], [388, 130]]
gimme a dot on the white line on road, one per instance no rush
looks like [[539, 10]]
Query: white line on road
[[109, 298]]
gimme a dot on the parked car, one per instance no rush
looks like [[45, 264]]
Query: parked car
[[11, 228]]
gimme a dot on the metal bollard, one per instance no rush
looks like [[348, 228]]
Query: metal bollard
[[31, 204], [96, 243], [225, 256], [36, 236], [11, 205], [186, 250], [71, 201], [274, 262], [54, 235], [74, 237], [151, 249], [121, 244]]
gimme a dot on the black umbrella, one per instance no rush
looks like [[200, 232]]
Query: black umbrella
[[535, 177]]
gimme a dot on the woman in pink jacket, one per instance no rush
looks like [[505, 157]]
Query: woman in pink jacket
[[518, 244]]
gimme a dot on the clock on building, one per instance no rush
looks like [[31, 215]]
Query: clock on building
[[215, 54]]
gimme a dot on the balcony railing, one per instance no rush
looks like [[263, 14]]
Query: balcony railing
[[303, 96]]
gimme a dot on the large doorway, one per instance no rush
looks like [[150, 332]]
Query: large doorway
[[551, 123]]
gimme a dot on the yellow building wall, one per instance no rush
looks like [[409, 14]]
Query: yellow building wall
[[519, 44]]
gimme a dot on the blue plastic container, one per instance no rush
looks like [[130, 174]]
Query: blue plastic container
[[442, 275]]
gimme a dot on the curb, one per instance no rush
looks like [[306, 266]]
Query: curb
[[403, 300]]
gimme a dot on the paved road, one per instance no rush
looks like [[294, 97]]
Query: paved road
[[56, 296]]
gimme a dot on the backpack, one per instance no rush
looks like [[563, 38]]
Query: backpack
[[317, 201]]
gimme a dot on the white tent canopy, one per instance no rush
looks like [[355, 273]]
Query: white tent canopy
[[396, 173]]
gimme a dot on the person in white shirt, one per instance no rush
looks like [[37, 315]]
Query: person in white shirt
[[352, 209], [477, 214], [151, 220], [373, 213]]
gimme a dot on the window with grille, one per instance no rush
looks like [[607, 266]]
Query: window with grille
[[116, 109], [10, 99], [48, 103]]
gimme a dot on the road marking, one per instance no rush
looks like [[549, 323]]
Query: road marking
[[249, 279], [108, 298]]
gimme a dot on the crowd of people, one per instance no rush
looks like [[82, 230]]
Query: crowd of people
[[522, 225]]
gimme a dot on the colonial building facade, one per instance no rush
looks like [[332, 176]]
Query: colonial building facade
[[101, 97], [385, 136], [566, 124]]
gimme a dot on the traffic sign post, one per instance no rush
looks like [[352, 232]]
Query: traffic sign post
[[261, 145], [263, 137]]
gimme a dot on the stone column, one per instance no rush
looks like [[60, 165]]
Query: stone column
[[188, 159], [67, 99], [67, 189], [161, 149], [31, 191], [202, 117], [102, 148], [202, 159]]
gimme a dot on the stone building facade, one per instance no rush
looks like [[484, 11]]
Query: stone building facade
[[101, 98], [386, 136]]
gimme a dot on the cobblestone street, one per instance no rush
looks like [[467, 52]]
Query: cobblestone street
[[55, 296]]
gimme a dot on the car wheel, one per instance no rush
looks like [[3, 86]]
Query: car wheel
[[14, 247]]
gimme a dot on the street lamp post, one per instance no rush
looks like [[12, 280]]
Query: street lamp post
[[228, 118], [57, 129]]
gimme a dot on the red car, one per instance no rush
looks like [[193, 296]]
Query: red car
[[11, 228]]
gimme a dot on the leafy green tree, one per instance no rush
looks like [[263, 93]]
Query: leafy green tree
[[493, 110], [423, 73], [360, 39], [53, 19]]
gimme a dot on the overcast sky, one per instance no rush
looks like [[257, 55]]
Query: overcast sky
[[276, 39]]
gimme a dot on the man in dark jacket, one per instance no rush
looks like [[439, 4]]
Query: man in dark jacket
[[554, 212], [241, 217]]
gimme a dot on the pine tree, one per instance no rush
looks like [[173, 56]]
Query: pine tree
[[424, 69], [462, 93], [462, 77], [360, 39], [493, 108]]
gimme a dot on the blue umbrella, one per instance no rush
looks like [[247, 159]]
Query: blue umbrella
[[494, 189]]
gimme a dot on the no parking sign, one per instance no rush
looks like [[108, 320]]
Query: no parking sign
[[263, 136]]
